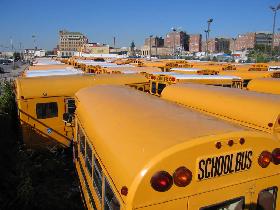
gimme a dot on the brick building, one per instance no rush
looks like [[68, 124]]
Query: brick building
[[95, 48], [195, 43], [155, 41]]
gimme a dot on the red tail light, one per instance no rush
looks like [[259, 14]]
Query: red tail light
[[173, 79], [276, 156], [161, 181], [182, 177], [265, 159]]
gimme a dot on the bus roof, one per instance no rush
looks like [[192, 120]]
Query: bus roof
[[130, 129], [206, 77], [67, 85], [255, 110], [265, 85], [46, 67]]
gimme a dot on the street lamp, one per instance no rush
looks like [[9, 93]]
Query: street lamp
[[209, 21], [278, 41], [274, 10]]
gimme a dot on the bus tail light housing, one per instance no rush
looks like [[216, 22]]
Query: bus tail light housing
[[182, 177], [264, 159], [276, 156], [161, 181]]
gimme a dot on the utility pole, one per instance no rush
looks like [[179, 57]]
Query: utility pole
[[151, 47], [156, 43], [274, 10]]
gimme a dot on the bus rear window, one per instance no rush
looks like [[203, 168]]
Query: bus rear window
[[46, 110], [70, 106], [234, 204], [267, 199], [161, 87], [110, 200], [154, 87]]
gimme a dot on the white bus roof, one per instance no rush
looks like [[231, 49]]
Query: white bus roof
[[195, 76], [186, 69], [54, 72]]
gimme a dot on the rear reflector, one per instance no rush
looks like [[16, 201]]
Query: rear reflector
[[265, 159]]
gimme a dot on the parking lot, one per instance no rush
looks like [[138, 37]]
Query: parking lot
[[11, 71]]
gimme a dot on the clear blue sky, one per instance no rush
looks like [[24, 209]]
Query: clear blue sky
[[128, 20]]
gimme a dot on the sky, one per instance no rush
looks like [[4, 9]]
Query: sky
[[127, 20]]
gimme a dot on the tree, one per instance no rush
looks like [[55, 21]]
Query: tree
[[16, 56]]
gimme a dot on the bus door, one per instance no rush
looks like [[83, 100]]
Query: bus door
[[237, 197], [45, 121], [68, 117]]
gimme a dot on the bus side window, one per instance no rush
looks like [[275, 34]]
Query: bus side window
[[70, 106], [46, 110], [110, 200], [89, 158], [81, 139], [97, 178]]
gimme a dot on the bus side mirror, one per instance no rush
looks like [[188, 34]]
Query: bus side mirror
[[67, 117]]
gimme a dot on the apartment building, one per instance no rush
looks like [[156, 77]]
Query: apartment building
[[70, 42]]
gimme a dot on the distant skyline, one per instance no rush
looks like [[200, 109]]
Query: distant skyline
[[128, 20]]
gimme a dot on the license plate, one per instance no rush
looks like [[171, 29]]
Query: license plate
[[225, 164]]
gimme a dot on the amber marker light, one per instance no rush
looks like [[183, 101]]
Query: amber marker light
[[264, 159], [218, 145], [182, 177], [124, 190], [230, 143]]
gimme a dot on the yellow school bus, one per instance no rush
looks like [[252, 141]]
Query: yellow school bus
[[247, 76], [252, 67], [136, 151], [265, 85], [214, 66], [43, 101], [194, 71], [159, 80], [251, 109]]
